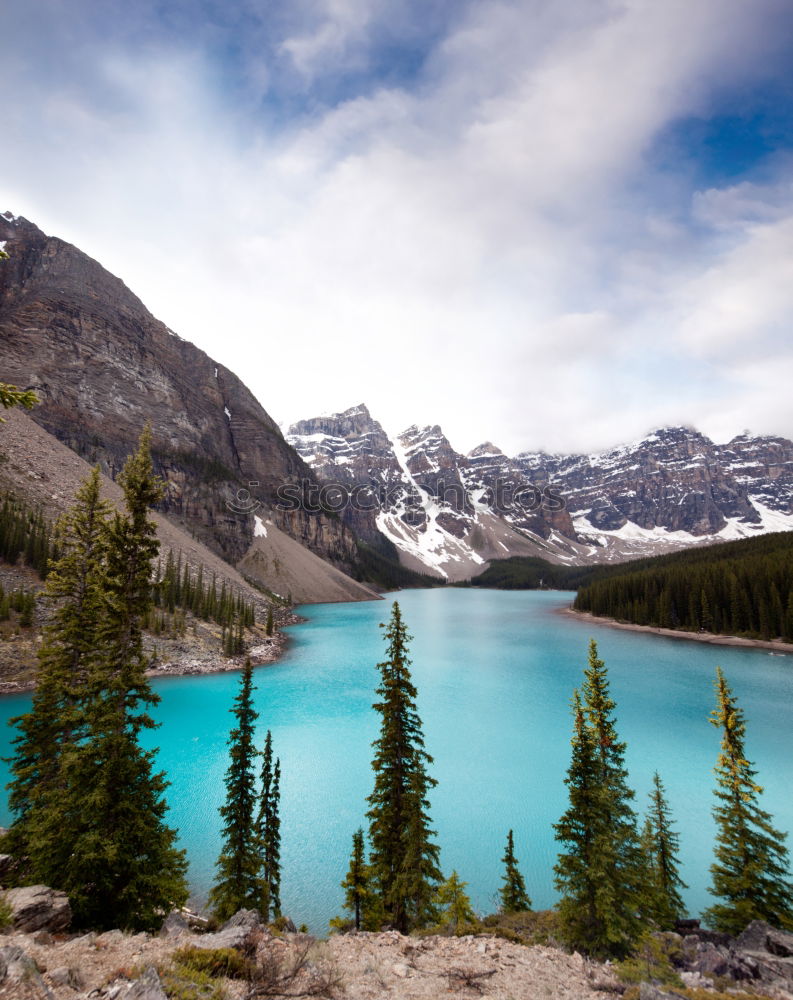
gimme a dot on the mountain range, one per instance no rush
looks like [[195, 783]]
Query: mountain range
[[102, 366], [449, 513]]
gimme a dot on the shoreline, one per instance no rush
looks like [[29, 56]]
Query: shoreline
[[263, 654], [781, 648]]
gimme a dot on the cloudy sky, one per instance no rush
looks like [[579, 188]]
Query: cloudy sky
[[547, 223]]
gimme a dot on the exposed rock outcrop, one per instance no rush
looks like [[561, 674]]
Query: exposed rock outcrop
[[37, 907], [20, 978], [103, 366]]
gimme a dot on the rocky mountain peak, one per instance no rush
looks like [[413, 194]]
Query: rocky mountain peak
[[672, 488], [103, 366], [485, 450]]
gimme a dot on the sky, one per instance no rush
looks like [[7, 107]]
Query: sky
[[549, 224]]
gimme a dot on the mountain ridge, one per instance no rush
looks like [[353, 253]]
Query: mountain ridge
[[102, 366], [672, 488]]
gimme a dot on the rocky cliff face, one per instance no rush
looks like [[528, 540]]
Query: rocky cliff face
[[444, 512], [102, 366], [675, 480], [449, 513]]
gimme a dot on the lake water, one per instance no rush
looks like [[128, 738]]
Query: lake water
[[495, 671]]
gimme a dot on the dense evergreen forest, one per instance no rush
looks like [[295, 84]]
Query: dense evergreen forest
[[24, 536], [531, 573], [739, 588]]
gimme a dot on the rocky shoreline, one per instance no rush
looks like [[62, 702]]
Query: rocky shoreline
[[191, 663], [780, 648]]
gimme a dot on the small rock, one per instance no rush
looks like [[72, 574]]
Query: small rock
[[237, 932], [66, 976], [148, 987], [87, 940], [174, 925], [711, 960], [401, 970], [649, 992], [695, 980], [37, 907], [110, 937]]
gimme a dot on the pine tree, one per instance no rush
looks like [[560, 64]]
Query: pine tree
[[602, 874], [268, 834], [403, 858], [54, 724], [237, 886], [577, 830], [123, 869], [356, 882], [514, 898], [95, 825], [660, 846], [453, 905], [750, 872]]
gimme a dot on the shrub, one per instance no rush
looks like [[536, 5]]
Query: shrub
[[529, 927], [6, 913], [215, 962]]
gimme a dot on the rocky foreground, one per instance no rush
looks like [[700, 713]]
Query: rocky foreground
[[39, 960]]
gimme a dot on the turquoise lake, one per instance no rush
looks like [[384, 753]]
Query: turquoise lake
[[495, 671]]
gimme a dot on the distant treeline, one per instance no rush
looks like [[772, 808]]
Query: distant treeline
[[531, 573], [384, 570], [25, 536], [743, 588]]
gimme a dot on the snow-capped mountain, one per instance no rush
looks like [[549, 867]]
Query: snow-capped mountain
[[450, 514]]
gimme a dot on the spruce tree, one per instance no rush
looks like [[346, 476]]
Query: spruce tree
[[268, 834], [514, 898], [238, 885], [95, 826], [54, 724], [403, 858], [751, 870], [454, 907], [601, 875], [124, 868], [660, 845], [577, 831], [356, 881]]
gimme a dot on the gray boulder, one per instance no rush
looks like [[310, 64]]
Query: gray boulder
[[148, 987], [66, 976], [238, 932], [20, 978], [37, 907], [174, 925], [649, 992], [762, 937]]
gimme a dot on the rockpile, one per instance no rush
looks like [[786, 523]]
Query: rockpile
[[38, 961]]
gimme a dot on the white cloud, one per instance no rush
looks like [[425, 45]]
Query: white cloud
[[488, 249]]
